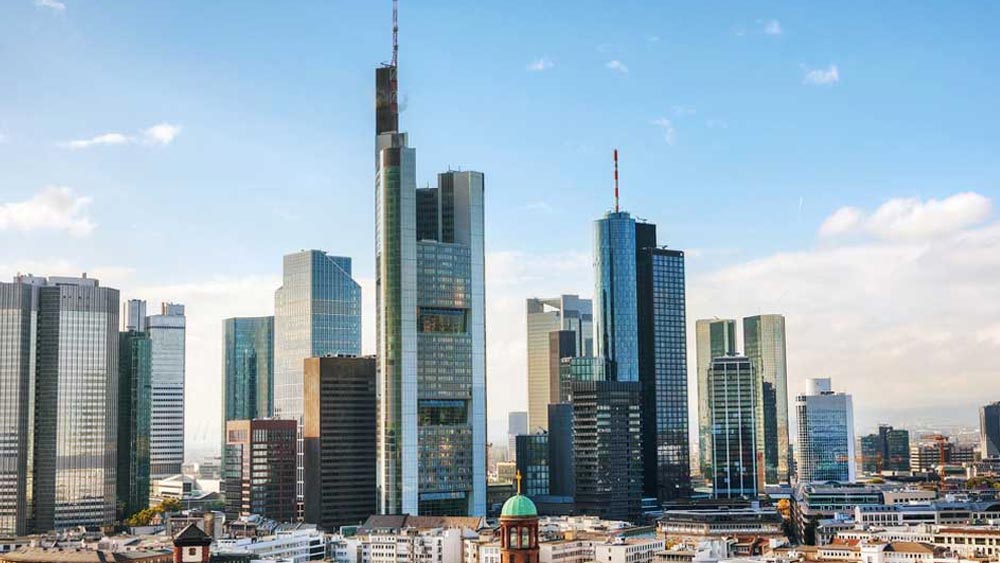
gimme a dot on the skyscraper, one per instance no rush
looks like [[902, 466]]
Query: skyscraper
[[736, 454], [76, 376], [533, 463], [989, 430], [764, 344], [248, 369], [317, 312], [431, 335], [259, 468], [714, 338], [825, 450], [167, 344], [616, 325], [517, 424], [134, 419], [888, 450], [564, 313]]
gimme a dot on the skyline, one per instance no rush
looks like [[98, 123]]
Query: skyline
[[162, 157]]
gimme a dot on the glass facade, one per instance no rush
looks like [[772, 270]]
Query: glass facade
[[248, 369], [989, 430], [735, 456], [825, 450], [714, 338], [134, 418], [615, 307], [167, 333], [259, 468], [764, 344], [533, 463]]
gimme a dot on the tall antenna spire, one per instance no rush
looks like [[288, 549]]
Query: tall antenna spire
[[616, 180], [395, 32]]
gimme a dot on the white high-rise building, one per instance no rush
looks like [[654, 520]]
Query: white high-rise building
[[825, 451], [167, 344]]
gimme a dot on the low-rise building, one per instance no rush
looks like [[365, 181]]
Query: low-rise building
[[693, 526], [293, 546], [628, 550]]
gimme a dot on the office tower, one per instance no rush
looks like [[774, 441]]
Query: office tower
[[533, 463], [607, 443], [989, 430], [564, 313], [888, 450], [134, 420], [431, 335], [317, 312], [166, 436], [825, 450], [135, 315], [259, 468], [579, 369], [736, 455], [927, 454], [764, 344], [662, 324], [338, 431], [562, 477], [517, 424], [714, 338], [76, 402], [616, 328], [248, 369]]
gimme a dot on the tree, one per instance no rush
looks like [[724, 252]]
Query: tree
[[145, 516]]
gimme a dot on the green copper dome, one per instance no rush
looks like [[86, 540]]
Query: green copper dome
[[519, 505]]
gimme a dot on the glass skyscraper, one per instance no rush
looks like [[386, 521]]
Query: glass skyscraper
[[248, 369], [616, 327], [564, 313], [764, 344], [431, 336], [134, 417], [989, 430], [733, 398], [714, 338], [167, 337], [825, 450]]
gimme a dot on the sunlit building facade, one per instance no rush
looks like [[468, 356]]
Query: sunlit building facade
[[248, 368], [826, 448], [616, 325], [167, 334], [714, 338], [764, 344], [736, 471], [567, 313]]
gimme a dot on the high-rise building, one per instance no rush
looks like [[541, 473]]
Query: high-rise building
[[248, 368], [989, 430], [764, 344], [926, 455], [616, 323], [607, 445], [259, 468], [533, 463], [134, 419], [431, 334], [135, 315], [736, 456], [564, 313], [714, 338], [317, 312], [888, 450], [71, 352], [825, 449], [338, 430], [579, 369], [167, 343], [562, 474], [517, 424]]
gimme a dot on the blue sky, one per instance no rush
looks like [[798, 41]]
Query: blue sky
[[742, 128]]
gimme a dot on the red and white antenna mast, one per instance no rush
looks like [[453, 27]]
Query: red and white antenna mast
[[395, 31], [616, 180]]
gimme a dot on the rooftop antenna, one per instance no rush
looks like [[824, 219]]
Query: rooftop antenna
[[395, 31], [616, 180]]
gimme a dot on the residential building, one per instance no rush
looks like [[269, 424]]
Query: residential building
[[825, 450], [167, 345], [888, 450], [339, 440], [517, 424], [134, 419], [292, 546], [736, 470], [764, 344], [628, 550], [430, 314], [714, 338], [533, 464], [248, 368], [607, 445], [989, 430], [567, 313], [260, 468], [934, 512]]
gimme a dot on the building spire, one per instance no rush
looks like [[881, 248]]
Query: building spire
[[616, 180], [395, 32]]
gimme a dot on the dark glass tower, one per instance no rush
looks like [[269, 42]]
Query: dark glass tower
[[134, 417], [989, 430]]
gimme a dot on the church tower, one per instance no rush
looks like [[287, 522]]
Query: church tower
[[519, 529]]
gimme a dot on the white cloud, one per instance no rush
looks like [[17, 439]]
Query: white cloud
[[669, 133], [822, 76], [772, 27], [539, 65], [617, 66], [53, 5], [911, 218], [160, 134], [53, 208]]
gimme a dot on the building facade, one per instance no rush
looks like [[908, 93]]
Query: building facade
[[825, 450], [544, 316], [562, 474], [248, 368], [887, 450], [616, 323], [714, 338], [736, 455], [533, 464], [134, 419], [167, 345], [431, 333], [989, 430], [764, 344], [338, 432], [259, 468]]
